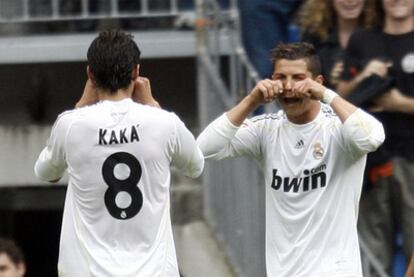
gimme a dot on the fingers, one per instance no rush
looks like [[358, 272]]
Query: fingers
[[142, 92], [308, 88], [142, 89], [142, 83], [267, 90], [300, 87]]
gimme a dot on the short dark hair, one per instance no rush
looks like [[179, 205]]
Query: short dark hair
[[10, 248], [296, 51], [112, 57]]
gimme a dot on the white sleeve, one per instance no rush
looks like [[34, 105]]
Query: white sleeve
[[221, 139], [362, 133], [51, 163], [187, 156]]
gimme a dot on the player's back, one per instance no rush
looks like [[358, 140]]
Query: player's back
[[117, 217]]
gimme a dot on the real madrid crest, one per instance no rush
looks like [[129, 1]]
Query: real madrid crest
[[318, 150]]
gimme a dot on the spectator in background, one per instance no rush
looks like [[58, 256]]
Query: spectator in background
[[12, 262], [328, 25], [265, 23], [372, 58]]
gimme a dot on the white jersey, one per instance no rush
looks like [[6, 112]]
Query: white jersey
[[116, 219], [313, 174]]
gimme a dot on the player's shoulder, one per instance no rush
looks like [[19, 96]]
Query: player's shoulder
[[158, 115], [64, 120], [67, 116], [77, 113], [155, 111]]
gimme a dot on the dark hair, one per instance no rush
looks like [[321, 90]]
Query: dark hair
[[111, 58], [10, 248], [296, 51]]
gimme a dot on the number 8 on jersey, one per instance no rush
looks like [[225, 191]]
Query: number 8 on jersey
[[128, 185]]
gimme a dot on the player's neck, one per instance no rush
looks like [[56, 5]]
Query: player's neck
[[119, 95], [309, 115]]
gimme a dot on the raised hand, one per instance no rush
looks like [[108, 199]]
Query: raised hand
[[142, 92], [308, 88], [266, 91]]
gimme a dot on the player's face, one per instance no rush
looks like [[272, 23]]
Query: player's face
[[398, 9], [8, 268], [297, 109], [348, 9]]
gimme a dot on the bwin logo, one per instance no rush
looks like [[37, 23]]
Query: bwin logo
[[312, 179]]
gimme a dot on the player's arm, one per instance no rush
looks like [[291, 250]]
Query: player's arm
[[315, 90], [265, 91], [218, 140], [142, 92], [187, 156], [51, 163], [45, 169], [361, 130]]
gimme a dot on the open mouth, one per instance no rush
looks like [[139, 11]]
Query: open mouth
[[291, 100]]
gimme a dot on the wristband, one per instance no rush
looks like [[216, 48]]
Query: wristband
[[328, 96]]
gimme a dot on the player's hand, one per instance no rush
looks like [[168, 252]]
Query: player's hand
[[89, 95], [142, 92], [308, 88], [266, 91]]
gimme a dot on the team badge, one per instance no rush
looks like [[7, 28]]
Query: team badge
[[318, 151]]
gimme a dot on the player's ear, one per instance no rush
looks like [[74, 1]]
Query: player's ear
[[135, 73], [90, 75]]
